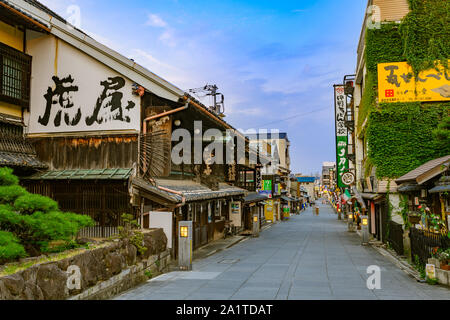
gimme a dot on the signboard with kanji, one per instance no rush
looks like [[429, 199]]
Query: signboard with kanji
[[267, 185], [396, 83], [342, 164]]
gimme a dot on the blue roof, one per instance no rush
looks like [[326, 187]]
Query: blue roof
[[306, 179]]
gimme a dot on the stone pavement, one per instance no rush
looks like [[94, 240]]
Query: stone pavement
[[307, 257]]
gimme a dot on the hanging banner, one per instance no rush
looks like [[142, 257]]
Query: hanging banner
[[396, 83], [341, 134], [259, 180]]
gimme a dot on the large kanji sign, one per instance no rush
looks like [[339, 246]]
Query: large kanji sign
[[341, 134], [396, 83]]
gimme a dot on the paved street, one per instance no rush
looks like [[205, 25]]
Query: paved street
[[307, 257]]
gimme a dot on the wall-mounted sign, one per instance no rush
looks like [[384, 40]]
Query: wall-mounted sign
[[430, 271], [259, 185], [75, 93], [348, 178], [341, 133], [235, 216], [267, 185], [396, 83]]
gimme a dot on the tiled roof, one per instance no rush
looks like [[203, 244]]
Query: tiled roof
[[285, 198], [414, 174], [255, 197], [10, 4], [14, 159], [408, 187], [190, 190], [84, 174], [443, 185]]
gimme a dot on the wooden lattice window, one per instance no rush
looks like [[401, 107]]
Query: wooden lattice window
[[15, 75]]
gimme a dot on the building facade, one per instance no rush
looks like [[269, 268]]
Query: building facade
[[95, 131]]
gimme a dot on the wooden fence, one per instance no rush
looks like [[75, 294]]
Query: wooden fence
[[423, 242], [395, 237]]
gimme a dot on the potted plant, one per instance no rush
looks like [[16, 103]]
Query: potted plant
[[414, 218], [444, 257], [435, 257]]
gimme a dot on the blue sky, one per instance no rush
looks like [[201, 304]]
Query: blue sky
[[275, 61]]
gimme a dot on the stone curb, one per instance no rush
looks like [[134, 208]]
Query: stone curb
[[399, 263]]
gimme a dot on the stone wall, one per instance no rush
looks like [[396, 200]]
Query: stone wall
[[103, 272], [443, 276]]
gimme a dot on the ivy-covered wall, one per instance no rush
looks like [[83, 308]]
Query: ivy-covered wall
[[400, 136], [403, 136]]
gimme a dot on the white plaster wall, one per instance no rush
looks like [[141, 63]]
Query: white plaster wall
[[61, 59], [394, 198]]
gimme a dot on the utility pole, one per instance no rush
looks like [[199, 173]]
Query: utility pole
[[217, 107]]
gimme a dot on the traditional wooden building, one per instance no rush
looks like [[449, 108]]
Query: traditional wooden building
[[102, 130], [427, 186], [15, 83]]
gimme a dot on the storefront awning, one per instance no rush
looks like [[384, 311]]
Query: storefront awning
[[288, 199], [438, 189], [371, 196], [175, 190], [357, 195], [442, 185], [255, 197], [409, 187]]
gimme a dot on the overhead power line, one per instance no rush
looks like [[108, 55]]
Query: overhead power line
[[293, 116]]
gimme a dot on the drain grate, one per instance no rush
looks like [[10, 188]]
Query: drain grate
[[228, 261]]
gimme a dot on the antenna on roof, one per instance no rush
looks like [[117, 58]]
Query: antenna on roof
[[218, 106]]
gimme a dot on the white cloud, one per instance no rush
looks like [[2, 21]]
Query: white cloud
[[149, 60], [167, 37], [156, 21], [105, 41]]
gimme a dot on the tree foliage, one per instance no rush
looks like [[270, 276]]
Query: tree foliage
[[29, 222]]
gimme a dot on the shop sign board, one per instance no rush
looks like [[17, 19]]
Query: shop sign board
[[342, 164], [396, 83]]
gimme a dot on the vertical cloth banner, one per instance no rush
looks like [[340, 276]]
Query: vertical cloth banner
[[341, 134]]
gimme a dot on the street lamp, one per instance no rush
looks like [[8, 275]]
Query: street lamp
[[350, 222], [185, 245], [255, 232], [365, 230]]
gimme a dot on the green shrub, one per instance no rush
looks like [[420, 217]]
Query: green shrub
[[7, 178], [442, 136], [31, 203], [35, 220], [9, 194], [10, 248]]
